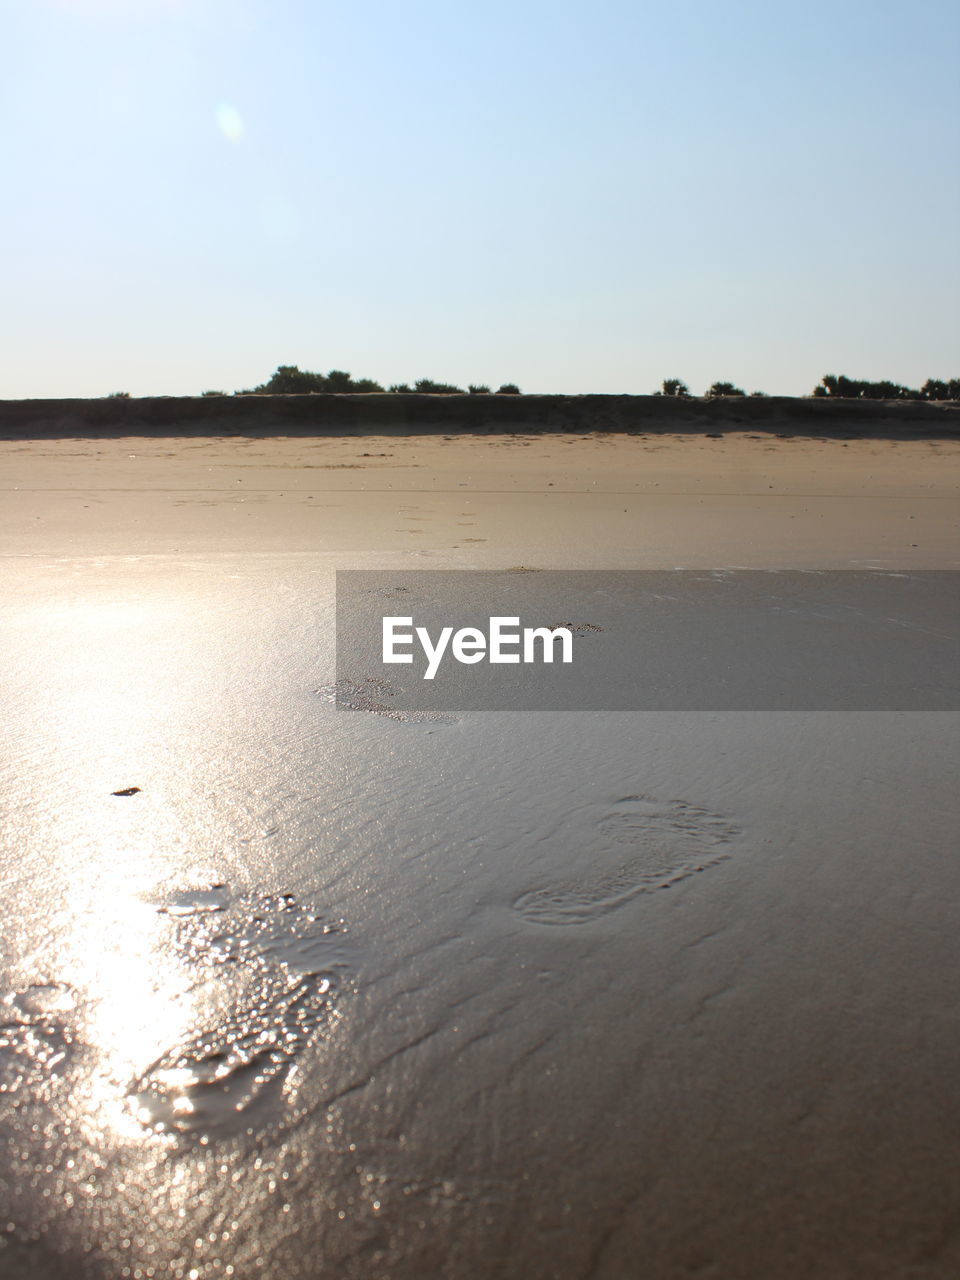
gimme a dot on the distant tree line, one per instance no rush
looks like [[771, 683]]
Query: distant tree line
[[289, 380], [836, 387]]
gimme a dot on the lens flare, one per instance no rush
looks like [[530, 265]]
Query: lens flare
[[230, 122]]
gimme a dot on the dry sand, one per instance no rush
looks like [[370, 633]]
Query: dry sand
[[445, 998], [566, 501]]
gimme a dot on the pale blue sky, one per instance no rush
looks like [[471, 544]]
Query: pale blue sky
[[576, 197]]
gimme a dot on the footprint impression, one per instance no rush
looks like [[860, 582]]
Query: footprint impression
[[280, 963], [372, 694], [662, 843]]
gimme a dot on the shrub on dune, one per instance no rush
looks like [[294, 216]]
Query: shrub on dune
[[426, 386], [674, 387]]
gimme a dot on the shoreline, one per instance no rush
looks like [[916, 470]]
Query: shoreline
[[393, 414]]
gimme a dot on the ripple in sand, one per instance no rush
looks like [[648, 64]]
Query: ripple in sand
[[672, 841]]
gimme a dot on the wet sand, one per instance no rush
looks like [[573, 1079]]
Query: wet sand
[[496, 994]]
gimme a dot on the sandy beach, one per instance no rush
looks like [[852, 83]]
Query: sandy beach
[[465, 501], [294, 992]]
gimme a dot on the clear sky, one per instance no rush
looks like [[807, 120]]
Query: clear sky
[[573, 196]]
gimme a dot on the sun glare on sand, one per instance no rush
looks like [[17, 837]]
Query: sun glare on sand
[[112, 701], [137, 1005]]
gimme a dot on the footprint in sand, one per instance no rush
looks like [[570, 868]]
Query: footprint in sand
[[669, 841], [235, 1073], [283, 965], [371, 694]]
